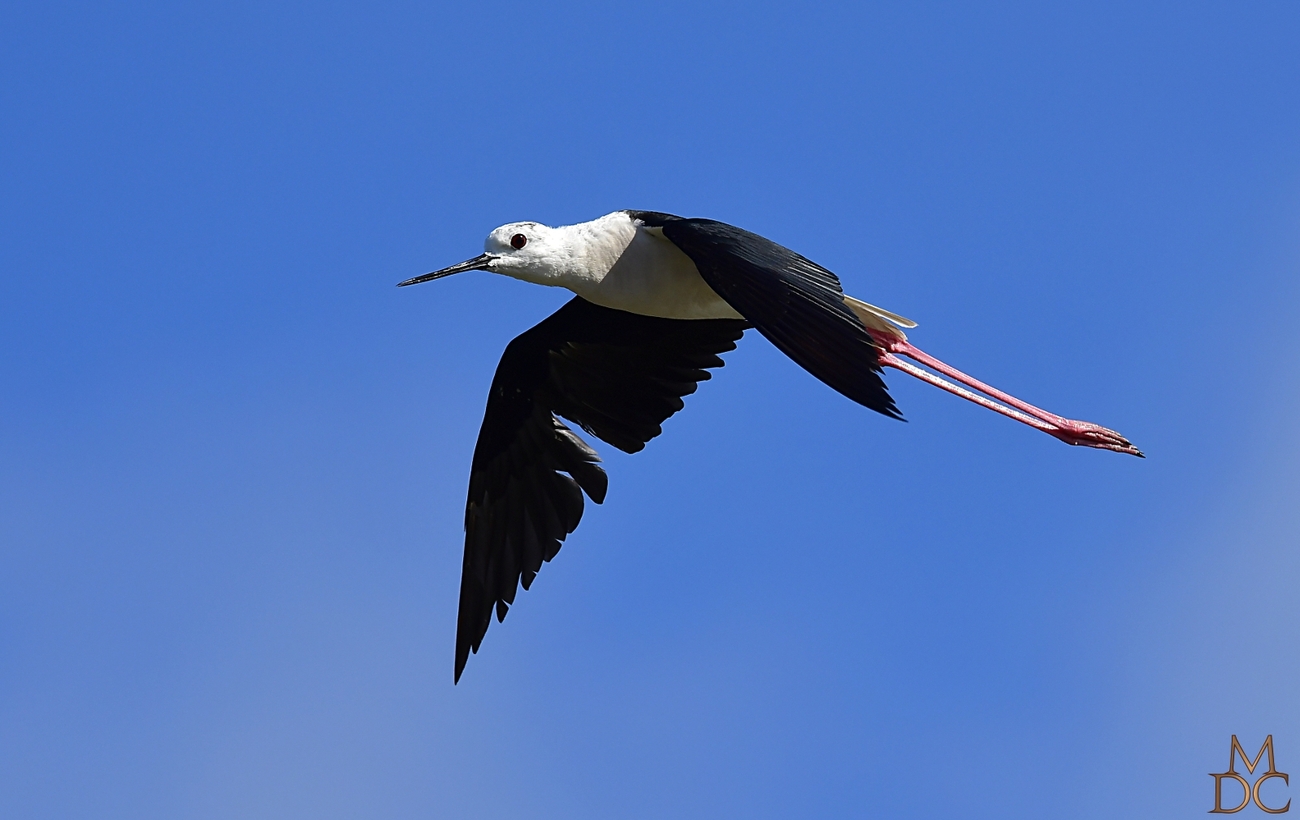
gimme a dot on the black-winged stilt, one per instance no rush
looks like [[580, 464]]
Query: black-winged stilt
[[659, 297]]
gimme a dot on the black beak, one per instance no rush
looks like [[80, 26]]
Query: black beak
[[479, 262]]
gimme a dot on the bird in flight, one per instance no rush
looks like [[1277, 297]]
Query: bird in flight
[[658, 299]]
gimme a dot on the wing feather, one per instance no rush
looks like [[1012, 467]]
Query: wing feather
[[794, 302], [617, 375]]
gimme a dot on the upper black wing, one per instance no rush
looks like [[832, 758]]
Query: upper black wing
[[619, 376], [796, 303]]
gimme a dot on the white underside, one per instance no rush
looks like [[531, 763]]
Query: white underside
[[652, 277]]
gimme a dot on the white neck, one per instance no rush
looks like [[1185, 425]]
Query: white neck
[[615, 262]]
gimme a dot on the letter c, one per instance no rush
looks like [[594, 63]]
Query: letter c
[[1255, 792]]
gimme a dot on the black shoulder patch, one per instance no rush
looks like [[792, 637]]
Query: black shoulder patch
[[794, 302]]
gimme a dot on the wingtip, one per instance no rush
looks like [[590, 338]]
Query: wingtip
[[462, 658]]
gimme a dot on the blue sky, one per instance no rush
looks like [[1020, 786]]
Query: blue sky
[[233, 456]]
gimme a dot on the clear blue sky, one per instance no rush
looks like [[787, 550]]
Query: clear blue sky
[[233, 456]]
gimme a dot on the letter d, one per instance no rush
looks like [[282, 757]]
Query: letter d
[[1218, 793]]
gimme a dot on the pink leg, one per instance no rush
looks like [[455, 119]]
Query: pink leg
[[1068, 430]]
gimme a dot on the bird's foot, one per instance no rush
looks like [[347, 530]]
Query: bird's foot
[[1086, 434]]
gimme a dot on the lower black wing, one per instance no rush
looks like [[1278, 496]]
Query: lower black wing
[[797, 304], [619, 376]]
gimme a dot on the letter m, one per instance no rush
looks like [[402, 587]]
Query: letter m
[[1250, 764]]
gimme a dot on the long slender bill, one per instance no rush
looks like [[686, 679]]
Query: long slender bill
[[479, 262]]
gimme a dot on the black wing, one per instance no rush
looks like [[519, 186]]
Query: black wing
[[618, 375], [797, 304]]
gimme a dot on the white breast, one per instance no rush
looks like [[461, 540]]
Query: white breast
[[648, 274]]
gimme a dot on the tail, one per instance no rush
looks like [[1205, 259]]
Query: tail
[[879, 319]]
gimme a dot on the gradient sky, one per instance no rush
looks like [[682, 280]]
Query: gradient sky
[[233, 456]]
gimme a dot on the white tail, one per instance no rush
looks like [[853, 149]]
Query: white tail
[[879, 319]]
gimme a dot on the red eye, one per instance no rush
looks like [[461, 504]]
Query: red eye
[[518, 241]]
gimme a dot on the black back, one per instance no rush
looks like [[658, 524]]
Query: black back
[[796, 303]]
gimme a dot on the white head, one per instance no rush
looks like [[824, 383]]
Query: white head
[[522, 250], [569, 256]]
